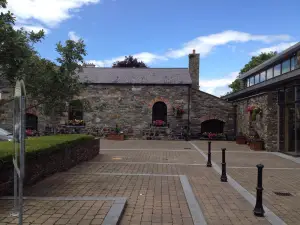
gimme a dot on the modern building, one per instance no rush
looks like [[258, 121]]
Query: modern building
[[274, 89]]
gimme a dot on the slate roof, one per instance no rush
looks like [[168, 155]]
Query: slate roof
[[98, 75]]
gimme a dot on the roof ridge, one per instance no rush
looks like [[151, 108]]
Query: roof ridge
[[136, 68]]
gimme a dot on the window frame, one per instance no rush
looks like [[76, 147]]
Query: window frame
[[255, 76], [260, 76], [280, 70], [252, 77], [289, 64]]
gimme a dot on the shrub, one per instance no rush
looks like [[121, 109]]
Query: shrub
[[44, 144]]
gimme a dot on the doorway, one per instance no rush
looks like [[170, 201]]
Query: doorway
[[159, 112]]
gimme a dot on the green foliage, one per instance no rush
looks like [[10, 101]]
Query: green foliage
[[129, 62], [235, 85], [257, 60], [45, 143], [47, 83], [254, 62]]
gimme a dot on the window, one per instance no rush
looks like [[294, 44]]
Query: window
[[286, 66], [262, 76], [256, 79], [293, 62], [269, 73], [248, 82], [251, 81], [277, 70]]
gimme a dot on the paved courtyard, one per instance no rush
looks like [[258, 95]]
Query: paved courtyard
[[164, 182]]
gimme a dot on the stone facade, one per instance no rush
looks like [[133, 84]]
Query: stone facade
[[206, 107], [265, 124], [131, 106]]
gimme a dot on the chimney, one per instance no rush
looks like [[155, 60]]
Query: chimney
[[89, 65], [194, 63]]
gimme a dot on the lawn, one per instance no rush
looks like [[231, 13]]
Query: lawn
[[34, 144]]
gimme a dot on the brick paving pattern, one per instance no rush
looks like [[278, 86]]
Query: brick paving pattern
[[150, 156], [56, 212], [279, 175], [147, 174]]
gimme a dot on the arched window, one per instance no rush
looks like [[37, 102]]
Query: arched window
[[159, 111], [75, 110], [213, 126], [31, 121]]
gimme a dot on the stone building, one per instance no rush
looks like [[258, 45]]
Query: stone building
[[274, 89], [134, 98]]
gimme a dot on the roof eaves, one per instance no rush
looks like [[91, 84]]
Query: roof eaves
[[278, 57]]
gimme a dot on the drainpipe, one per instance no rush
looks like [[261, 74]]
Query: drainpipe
[[189, 99]]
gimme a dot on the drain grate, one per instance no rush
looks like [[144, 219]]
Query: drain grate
[[282, 193], [187, 148]]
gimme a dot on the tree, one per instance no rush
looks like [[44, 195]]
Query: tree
[[16, 47], [255, 61], [130, 62], [61, 82], [48, 85]]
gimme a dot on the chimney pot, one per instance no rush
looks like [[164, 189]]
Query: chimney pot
[[194, 51]]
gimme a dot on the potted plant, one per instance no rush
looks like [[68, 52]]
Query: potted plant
[[254, 111], [76, 122], [241, 139], [212, 135], [116, 135], [178, 111], [256, 143], [158, 123]]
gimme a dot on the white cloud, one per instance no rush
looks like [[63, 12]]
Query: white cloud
[[205, 44], [218, 86], [275, 48], [146, 57], [202, 44], [50, 13], [34, 28], [73, 36]]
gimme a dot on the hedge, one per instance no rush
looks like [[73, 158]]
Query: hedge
[[37, 145]]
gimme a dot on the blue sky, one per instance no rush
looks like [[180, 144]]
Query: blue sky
[[163, 32]]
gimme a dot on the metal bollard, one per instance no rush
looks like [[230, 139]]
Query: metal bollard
[[209, 155], [223, 176], [259, 210]]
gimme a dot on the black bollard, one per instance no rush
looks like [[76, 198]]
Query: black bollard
[[223, 176], [209, 155], [259, 210]]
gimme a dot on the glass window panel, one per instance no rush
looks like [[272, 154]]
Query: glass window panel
[[256, 79], [281, 97], [251, 81], [297, 93], [248, 82], [290, 95], [263, 76], [270, 73], [277, 70], [298, 60], [286, 66], [293, 62]]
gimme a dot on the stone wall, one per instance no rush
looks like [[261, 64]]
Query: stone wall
[[205, 107], [131, 106], [44, 163], [266, 124]]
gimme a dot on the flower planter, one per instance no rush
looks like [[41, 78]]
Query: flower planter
[[256, 145], [115, 137], [241, 140]]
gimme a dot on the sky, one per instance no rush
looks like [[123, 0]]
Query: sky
[[163, 32]]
